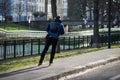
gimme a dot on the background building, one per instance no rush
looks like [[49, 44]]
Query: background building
[[21, 10], [25, 10]]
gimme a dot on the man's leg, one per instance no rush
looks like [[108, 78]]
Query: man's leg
[[54, 43], [48, 43]]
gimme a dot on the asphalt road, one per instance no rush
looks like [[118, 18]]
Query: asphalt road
[[109, 71]]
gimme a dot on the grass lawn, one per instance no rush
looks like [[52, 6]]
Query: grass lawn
[[13, 26], [15, 64]]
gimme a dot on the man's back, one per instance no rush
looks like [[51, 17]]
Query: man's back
[[53, 27]]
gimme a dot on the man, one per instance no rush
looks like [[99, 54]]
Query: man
[[54, 30]]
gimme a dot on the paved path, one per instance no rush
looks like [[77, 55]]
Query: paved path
[[64, 66]]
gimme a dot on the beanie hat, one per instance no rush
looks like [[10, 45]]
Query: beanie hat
[[57, 19]]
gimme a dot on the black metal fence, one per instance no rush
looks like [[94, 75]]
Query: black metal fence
[[28, 47]]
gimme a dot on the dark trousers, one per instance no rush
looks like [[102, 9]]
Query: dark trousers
[[49, 41]]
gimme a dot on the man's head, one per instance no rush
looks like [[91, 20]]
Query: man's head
[[57, 19]]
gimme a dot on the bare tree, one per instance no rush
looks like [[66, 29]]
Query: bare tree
[[31, 8], [5, 7], [19, 8]]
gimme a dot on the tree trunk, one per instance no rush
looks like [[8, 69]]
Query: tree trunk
[[46, 8], [54, 8], [96, 26]]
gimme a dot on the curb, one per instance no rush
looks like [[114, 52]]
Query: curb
[[79, 69]]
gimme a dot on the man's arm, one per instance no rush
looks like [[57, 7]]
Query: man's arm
[[48, 27], [62, 30]]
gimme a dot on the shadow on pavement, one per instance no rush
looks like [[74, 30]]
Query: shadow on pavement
[[22, 71]]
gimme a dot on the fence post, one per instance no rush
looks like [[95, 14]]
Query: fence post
[[5, 49], [83, 41], [91, 41], [78, 41], [112, 39], [87, 41], [23, 47], [69, 42], [118, 36], [14, 48], [63, 43], [31, 47], [38, 46], [74, 42]]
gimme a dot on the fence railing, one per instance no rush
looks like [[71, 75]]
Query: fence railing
[[28, 47]]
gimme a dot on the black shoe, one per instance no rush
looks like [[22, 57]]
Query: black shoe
[[39, 64], [50, 64]]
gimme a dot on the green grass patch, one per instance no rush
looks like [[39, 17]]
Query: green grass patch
[[13, 26], [15, 64]]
